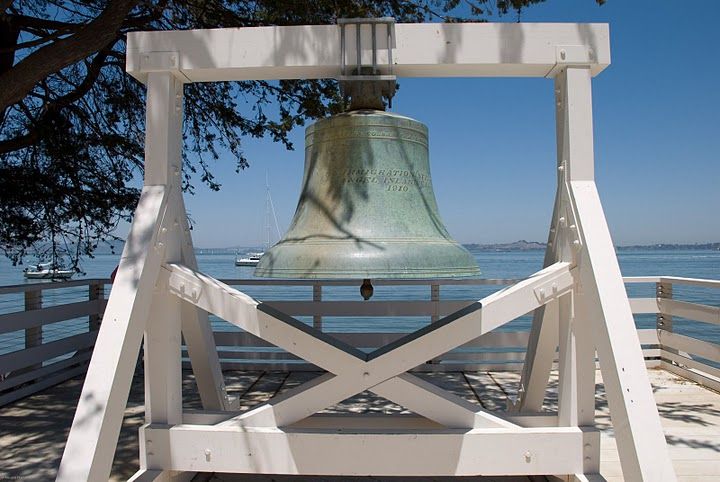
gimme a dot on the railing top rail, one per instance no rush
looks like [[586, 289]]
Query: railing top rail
[[708, 283], [41, 286], [641, 279], [679, 280], [376, 282]]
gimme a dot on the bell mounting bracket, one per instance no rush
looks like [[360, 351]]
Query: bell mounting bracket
[[367, 84]]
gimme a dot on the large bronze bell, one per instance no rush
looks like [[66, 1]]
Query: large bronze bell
[[367, 207]]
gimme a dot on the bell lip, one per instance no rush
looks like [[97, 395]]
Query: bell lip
[[362, 276]]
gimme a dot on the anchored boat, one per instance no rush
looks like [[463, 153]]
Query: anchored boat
[[48, 271], [250, 259]]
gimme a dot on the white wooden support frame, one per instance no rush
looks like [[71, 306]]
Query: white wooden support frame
[[578, 298]]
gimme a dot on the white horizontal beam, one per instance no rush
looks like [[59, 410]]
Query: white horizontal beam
[[421, 50], [392, 452], [691, 311], [701, 348]]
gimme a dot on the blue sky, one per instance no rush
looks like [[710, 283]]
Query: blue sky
[[492, 141]]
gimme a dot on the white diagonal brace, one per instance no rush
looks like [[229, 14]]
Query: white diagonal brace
[[431, 401], [93, 437], [241, 310], [543, 339], [354, 374], [199, 339], [640, 438]]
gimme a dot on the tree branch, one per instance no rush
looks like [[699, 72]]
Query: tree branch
[[25, 21], [21, 78], [27, 139]]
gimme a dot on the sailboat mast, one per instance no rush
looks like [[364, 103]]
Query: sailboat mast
[[267, 210]]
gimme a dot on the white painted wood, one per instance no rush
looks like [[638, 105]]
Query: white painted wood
[[698, 376], [705, 283], [505, 305], [365, 421], [641, 279], [93, 437], [357, 375], [584, 317], [644, 305], [602, 300], [163, 372], [163, 132], [704, 349], [378, 282], [567, 365], [539, 358], [38, 373], [577, 149], [22, 320], [145, 475], [55, 285], [199, 339], [42, 384], [543, 339], [382, 452], [691, 311], [425, 398], [690, 363], [28, 357], [421, 50], [495, 339], [648, 336], [634, 415]]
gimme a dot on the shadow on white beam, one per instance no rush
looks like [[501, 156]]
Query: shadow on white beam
[[421, 50]]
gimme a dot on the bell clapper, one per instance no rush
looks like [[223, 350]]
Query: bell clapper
[[366, 290]]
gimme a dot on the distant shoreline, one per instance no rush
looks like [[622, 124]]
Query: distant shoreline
[[534, 245], [521, 245]]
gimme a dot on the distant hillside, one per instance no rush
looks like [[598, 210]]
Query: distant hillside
[[663, 246], [521, 245]]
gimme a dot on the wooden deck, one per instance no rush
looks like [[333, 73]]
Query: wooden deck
[[33, 430]]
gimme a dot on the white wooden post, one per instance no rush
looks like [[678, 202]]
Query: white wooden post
[[543, 339], [605, 307], [33, 335], [163, 368], [96, 292], [576, 159], [93, 436]]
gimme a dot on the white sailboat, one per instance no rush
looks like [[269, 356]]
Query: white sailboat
[[48, 271], [253, 258]]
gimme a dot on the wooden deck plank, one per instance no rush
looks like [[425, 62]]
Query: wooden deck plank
[[491, 395], [33, 430]]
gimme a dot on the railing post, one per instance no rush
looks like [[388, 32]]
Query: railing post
[[664, 290], [317, 297], [96, 291], [33, 335], [435, 296]]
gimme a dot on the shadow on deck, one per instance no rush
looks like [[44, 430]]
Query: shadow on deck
[[33, 431]]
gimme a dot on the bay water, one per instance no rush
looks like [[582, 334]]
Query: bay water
[[504, 265]]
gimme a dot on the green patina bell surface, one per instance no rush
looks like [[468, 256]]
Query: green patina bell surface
[[367, 207]]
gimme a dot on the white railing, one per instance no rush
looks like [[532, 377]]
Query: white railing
[[47, 330], [695, 358]]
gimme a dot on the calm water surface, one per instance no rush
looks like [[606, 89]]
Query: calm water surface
[[693, 264]]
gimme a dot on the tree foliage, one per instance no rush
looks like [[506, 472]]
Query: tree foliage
[[72, 121]]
